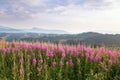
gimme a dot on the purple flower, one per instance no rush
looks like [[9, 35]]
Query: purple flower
[[51, 54], [104, 66], [28, 56], [102, 49], [21, 60], [15, 49], [61, 63], [110, 62], [39, 69], [97, 58], [92, 58], [3, 50], [60, 48], [34, 61], [21, 71], [71, 62], [63, 55], [47, 54], [54, 63], [41, 60], [67, 63], [19, 55]]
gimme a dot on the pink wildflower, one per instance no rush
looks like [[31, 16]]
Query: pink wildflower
[[110, 62], [54, 63], [71, 62], [19, 54], [21, 71], [63, 55], [3, 50], [51, 54], [21, 60], [39, 69], [61, 63], [41, 61], [97, 58], [67, 63], [34, 61]]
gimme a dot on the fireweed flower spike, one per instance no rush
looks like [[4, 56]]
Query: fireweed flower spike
[[63, 55], [21, 60], [43, 61], [61, 63], [54, 63], [34, 62], [21, 71]]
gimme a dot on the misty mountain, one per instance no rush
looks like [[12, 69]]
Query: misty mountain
[[46, 31], [33, 30], [8, 30], [59, 36]]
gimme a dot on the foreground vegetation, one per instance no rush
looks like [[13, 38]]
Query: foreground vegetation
[[46, 61]]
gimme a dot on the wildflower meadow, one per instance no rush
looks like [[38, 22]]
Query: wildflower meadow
[[47, 61]]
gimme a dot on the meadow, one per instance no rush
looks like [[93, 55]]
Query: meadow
[[47, 61]]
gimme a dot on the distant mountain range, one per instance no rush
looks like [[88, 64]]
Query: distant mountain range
[[33, 30], [59, 36], [88, 38], [7, 29]]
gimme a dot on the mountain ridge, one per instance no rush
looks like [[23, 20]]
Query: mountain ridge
[[33, 30], [89, 38]]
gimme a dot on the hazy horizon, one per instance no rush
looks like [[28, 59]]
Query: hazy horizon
[[73, 16]]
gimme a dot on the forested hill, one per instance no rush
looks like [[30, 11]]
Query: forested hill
[[83, 38]]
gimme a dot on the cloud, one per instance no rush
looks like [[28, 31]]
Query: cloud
[[61, 13], [32, 3], [2, 12], [47, 5], [26, 9]]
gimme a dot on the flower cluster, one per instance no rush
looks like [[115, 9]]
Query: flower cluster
[[47, 61]]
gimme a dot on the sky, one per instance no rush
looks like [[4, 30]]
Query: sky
[[73, 16]]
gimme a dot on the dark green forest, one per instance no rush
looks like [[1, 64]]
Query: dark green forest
[[88, 38]]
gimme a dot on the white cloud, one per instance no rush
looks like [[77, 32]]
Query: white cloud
[[17, 8], [57, 9], [92, 15], [33, 3], [2, 12]]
